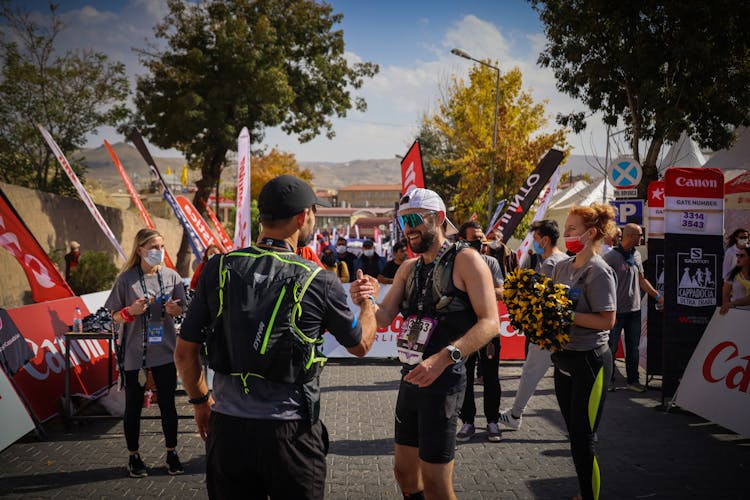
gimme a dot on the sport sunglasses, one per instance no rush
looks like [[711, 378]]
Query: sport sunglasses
[[413, 220]]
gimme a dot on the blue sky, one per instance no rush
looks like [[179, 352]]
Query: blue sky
[[411, 42]]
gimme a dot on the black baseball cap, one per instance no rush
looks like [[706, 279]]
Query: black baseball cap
[[285, 196]]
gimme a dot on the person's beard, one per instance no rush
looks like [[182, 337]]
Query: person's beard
[[426, 239], [305, 236]]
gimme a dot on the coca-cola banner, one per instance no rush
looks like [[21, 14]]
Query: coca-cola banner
[[42, 380], [45, 279], [693, 253], [716, 383], [512, 344], [654, 268]]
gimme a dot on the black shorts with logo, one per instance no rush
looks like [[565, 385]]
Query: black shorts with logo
[[426, 418]]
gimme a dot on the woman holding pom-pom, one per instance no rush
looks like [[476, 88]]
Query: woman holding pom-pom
[[583, 366]]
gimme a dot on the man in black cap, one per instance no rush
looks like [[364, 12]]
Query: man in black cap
[[261, 311]]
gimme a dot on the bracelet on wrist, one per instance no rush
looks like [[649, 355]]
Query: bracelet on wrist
[[126, 316], [200, 400], [659, 295], [372, 298]]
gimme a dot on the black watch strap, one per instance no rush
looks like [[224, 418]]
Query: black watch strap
[[200, 400]]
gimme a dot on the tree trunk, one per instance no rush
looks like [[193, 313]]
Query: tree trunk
[[210, 172], [650, 172]]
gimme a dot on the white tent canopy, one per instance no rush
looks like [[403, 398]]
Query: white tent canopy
[[737, 157], [683, 153]]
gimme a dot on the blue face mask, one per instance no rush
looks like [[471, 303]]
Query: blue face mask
[[537, 247]]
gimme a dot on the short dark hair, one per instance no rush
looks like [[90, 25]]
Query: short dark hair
[[548, 228], [465, 227], [340, 239], [368, 243], [398, 246]]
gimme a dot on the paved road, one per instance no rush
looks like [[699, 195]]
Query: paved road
[[644, 453]]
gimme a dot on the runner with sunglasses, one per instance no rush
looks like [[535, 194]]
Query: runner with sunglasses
[[447, 300]]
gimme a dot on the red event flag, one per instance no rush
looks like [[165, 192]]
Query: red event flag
[[199, 225], [223, 236], [412, 175], [134, 196], [44, 278]]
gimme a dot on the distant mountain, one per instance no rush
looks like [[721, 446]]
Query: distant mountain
[[326, 175]]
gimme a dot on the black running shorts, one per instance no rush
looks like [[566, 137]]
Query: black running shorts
[[426, 418]]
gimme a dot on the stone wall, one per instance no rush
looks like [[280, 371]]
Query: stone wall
[[55, 221]]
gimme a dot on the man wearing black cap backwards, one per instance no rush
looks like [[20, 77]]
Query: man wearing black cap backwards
[[448, 303], [261, 312]]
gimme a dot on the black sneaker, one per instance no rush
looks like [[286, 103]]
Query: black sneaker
[[174, 466], [136, 467]]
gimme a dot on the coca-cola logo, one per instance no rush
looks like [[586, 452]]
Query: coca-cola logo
[[724, 363], [696, 183]]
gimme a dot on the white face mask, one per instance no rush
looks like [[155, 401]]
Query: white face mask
[[742, 242], [341, 249], [369, 253], [154, 257], [494, 244]]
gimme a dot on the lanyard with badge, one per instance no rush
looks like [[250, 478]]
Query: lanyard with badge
[[153, 331], [417, 329]]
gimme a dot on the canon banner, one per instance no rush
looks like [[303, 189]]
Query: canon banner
[[532, 186], [226, 241], [82, 191], [693, 253], [134, 196], [242, 233], [45, 279], [195, 243], [412, 174], [42, 379], [716, 383], [199, 225], [655, 275]]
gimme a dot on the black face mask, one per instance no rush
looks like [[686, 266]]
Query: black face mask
[[328, 259], [476, 244]]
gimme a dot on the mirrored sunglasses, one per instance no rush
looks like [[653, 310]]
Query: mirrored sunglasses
[[413, 220]]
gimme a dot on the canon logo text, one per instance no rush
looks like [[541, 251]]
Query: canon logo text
[[696, 183]]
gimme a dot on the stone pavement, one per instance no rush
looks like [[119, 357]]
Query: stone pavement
[[643, 453]]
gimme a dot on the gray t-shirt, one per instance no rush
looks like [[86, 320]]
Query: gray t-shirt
[[494, 265], [548, 265], [595, 286], [126, 290], [627, 273]]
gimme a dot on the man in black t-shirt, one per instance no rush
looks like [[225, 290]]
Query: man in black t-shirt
[[399, 256], [264, 435]]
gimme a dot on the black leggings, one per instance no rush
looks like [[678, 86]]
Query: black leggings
[[165, 377], [491, 385], [581, 380]]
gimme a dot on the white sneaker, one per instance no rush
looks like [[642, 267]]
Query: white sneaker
[[509, 420], [467, 430]]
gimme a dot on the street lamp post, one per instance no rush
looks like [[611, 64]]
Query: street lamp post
[[465, 55]]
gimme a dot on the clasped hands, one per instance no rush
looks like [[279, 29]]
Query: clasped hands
[[363, 287]]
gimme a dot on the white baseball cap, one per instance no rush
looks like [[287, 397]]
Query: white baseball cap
[[426, 199]]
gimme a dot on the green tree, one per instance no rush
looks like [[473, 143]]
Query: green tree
[[661, 67], [71, 95], [95, 272], [463, 128], [242, 63]]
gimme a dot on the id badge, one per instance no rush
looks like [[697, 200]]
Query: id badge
[[414, 335], [155, 333]]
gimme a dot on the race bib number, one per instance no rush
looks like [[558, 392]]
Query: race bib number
[[414, 335], [155, 333]]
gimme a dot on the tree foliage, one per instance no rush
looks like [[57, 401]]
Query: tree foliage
[[230, 64], [275, 163], [71, 95], [661, 67], [461, 134]]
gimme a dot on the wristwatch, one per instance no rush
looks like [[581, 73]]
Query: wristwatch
[[454, 352]]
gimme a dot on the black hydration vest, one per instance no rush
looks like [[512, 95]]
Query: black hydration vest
[[255, 333], [446, 303]]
